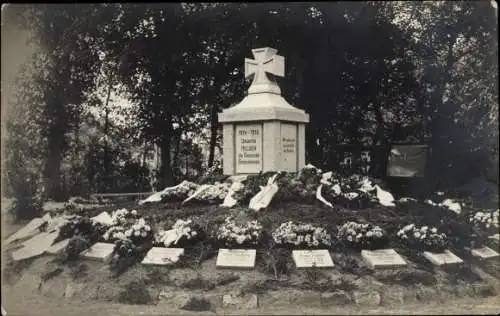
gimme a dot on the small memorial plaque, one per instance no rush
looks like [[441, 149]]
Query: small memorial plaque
[[442, 258], [99, 252], [163, 256], [312, 258], [236, 258], [58, 247], [383, 258], [484, 253]]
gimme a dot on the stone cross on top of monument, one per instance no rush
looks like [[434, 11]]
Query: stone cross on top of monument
[[263, 132], [265, 61]]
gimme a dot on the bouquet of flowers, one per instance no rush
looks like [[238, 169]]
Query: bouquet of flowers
[[292, 187], [75, 246], [251, 186], [125, 248], [126, 253], [423, 238], [232, 233], [75, 226], [351, 192], [183, 232], [114, 233], [362, 236], [123, 217], [305, 235], [179, 192], [487, 221], [139, 233], [213, 194]]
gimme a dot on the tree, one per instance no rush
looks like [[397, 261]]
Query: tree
[[457, 64]]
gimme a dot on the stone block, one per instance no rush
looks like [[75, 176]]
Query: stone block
[[338, 297], [246, 302], [371, 298], [393, 296]]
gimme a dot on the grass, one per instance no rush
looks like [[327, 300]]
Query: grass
[[198, 304], [78, 270], [12, 269], [261, 287], [275, 261], [135, 293], [406, 278], [158, 275], [51, 274]]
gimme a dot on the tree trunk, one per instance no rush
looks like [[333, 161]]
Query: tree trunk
[[56, 144], [167, 176], [166, 173], [106, 138], [436, 163], [214, 126]]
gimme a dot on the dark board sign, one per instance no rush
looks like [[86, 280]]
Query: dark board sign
[[407, 161]]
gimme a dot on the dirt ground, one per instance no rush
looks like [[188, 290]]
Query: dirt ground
[[20, 302]]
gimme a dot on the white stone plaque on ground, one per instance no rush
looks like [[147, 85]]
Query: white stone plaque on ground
[[442, 258], [162, 256], [58, 247], [484, 253], [383, 258], [35, 246], [31, 229], [312, 258], [236, 258], [99, 252], [248, 148]]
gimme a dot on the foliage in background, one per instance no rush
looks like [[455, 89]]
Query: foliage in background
[[368, 73]]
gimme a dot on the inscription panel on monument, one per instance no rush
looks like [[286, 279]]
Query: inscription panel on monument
[[248, 148], [289, 147]]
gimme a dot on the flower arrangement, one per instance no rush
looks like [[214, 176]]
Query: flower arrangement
[[423, 238], [213, 194], [232, 233], [125, 248], [297, 187], [183, 232], [251, 186], [123, 217], [114, 233], [140, 232], [351, 192], [179, 192], [485, 220], [75, 246], [362, 236], [304, 235], [75, 226]]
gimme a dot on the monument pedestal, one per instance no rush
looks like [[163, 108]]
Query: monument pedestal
[[263, 132]]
